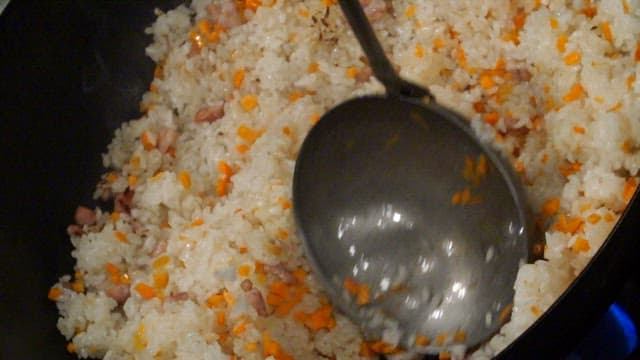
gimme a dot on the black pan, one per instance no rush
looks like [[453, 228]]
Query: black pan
[[71, 72]]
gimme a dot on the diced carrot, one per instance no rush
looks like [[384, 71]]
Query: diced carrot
[[504, 314], [561, 43], [568, 169], [553, 22], [456, 198], [71, 348], [160, 262], [140, 340], [132, 180], [242, 148], [249, 102], [313, 67], [300, 274], [574, 93], [606, 31], [365, 350], [438, 43], [248, 134], [410, 11], [550, 207], [120, 236], [617, 106], [419, 51], [459, 336], [589, 11], [482, 166], [422, 340], [350, 285], [593, 218], [134, 161], [240, 328], [627, 147], [315, 118], [363, 296], [244, 270], [580, 245], [440, 339], [491, 118], [228, 298], [444, 355], [295, 96], [519, 19], [352, 72], [54, 294], [145, 291], [252, 4], [160, 279], [285, 203], [328, 3], [112, 269], [568, 225], [625, 7], [286, 130], [225, 169], [579, 130], [221, 318], [535, 310], [115, 216], [461, 57], [215, 301], [609, 217], [282, 234], [637, 53], [478, 106], [185, 179], [572, 58], [148, 140], [197, 222], [487, 82], [630, 187], [222, 187], [238, 78]]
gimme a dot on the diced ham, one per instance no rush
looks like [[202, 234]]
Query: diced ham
[[166, 139], [363, 75], [281, 272], [246, 285], [120, 293], [179, 296], [210, 114], [85, 216], [510, 123], [74, 230], [374, 9], [161, 247], [122, 202], [520, 75], [225, 13], [254, 297]]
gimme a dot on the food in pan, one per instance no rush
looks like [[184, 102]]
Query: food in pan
[[198, 257]]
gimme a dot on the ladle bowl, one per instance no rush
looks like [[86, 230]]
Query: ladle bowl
[[416, 228]]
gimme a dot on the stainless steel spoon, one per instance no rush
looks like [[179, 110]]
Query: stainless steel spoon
[[415, 228]]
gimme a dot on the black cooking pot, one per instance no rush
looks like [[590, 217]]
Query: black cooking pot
[[71, 72]]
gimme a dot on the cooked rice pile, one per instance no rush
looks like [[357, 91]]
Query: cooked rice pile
[[202, 180]]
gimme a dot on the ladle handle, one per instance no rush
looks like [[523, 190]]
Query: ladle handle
[[382, 68]]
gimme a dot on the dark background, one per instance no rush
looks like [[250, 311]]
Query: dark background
[[62, 66]]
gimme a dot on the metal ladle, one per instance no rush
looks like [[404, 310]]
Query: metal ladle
[[414, 226]]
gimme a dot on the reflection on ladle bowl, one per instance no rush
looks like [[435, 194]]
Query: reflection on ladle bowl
[[412, 228], [391, 296]]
